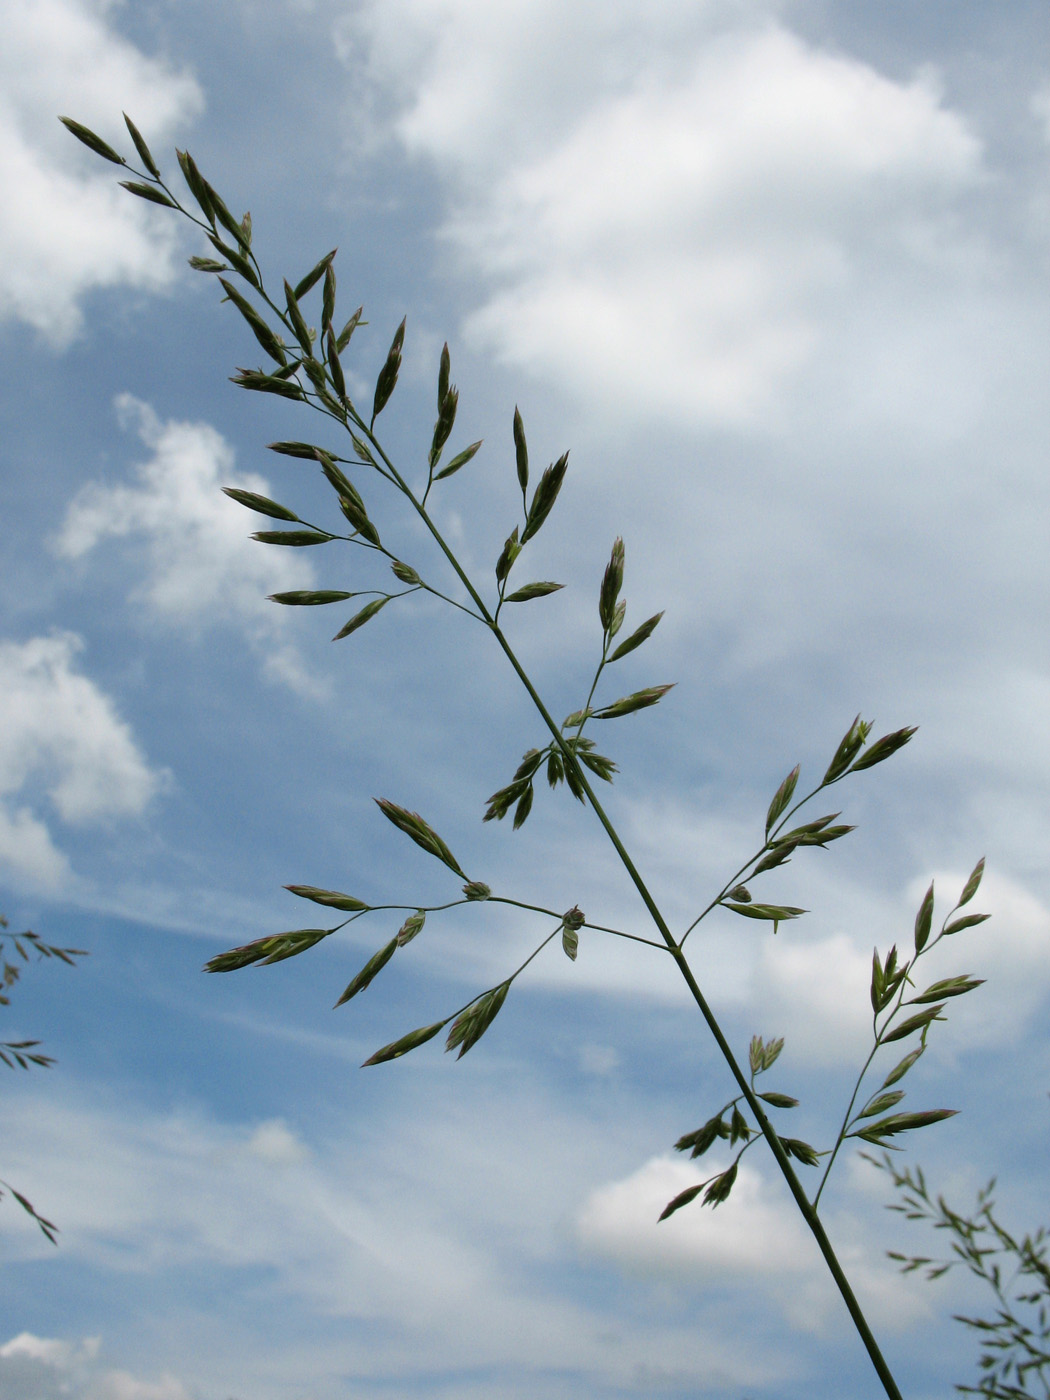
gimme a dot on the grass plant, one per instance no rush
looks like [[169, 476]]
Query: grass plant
[[304, 343]]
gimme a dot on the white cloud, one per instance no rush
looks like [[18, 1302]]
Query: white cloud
[[1011, 951], [815, 992], [452, 1256], [58, 729], [814, 989], [65, 226], [750, 1234], [273, 1141], [755, 1238], [42, 1368], [712, 226], [478, 87], [201, 565], [682, 219]]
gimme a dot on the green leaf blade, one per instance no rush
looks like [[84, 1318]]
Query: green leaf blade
[[628, 704], [638, 636], [533, 590], [94, 143], [148, 192], [274, 948], [141, 147], [682, 1199], [262, 504], [371, 969], [309, 597], [360, 618], [460, 460], [405, 1043], [471, 1025], [781, 798], [294, 539], [332, 899], [413, 825]]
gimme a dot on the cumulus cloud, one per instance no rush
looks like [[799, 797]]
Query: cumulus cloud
[[65, 226], [691, 218], [771, 281], [45, 1368], [712, 226], [816, 990], [1011, 951], [755, 1238], [58, 731], [201, 566], [749, 1234]]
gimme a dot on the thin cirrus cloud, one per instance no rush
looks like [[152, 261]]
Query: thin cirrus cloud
[[63, 745], [199, 564], [169, 1194], [65, 227]]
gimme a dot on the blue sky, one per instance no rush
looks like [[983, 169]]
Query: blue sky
[[776, 274]]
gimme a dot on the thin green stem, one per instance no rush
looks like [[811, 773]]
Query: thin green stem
[[841, 1136], [535, 953], [348, 412], [769, 843], [599, 928], [594, 687], [794, 1185], [451, 601], [879, 1042]]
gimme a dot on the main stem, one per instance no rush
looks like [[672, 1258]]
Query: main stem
[[794, 1185], [783, 1162]]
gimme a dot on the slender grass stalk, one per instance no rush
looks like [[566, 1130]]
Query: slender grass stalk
[[306, 367]]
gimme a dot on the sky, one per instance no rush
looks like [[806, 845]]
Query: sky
[[775, 275]]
